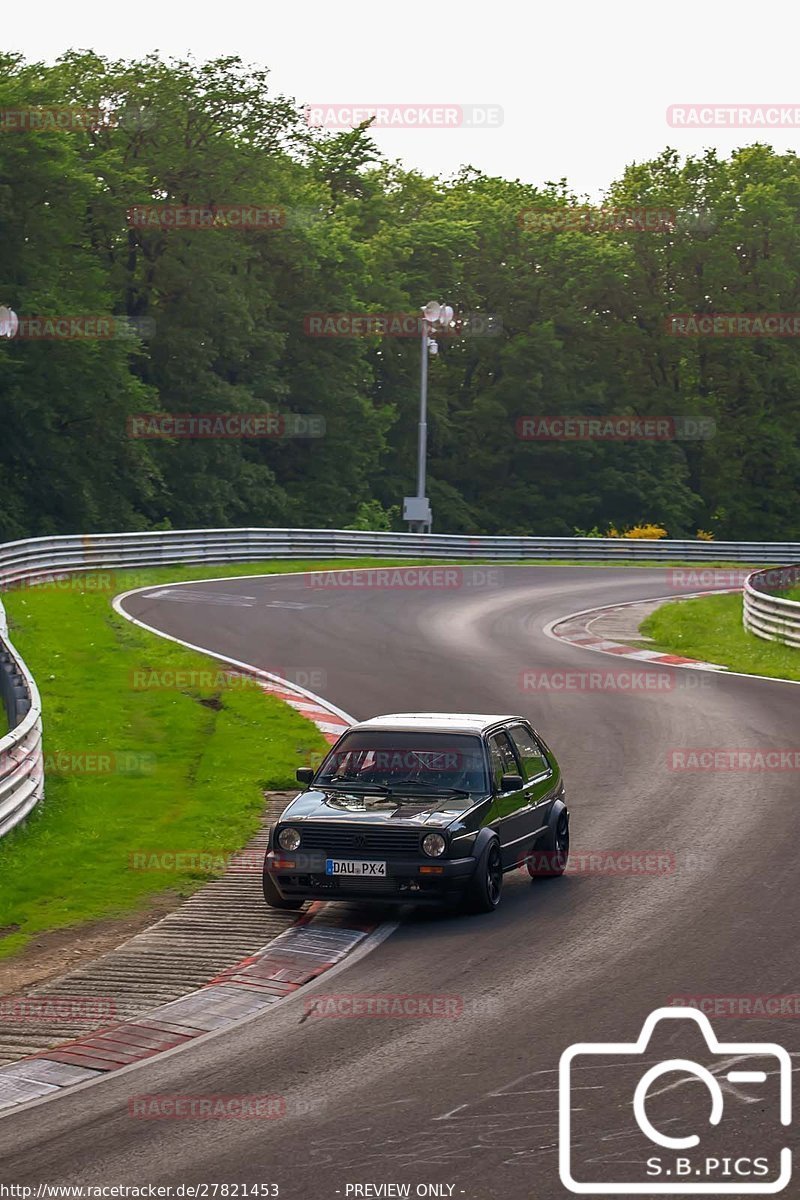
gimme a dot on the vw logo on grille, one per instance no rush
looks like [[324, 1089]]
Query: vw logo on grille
[[360, 840]]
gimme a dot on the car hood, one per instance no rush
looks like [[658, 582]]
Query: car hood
[[409, 811]]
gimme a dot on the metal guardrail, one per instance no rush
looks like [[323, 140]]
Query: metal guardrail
[[21, 758], [768, 616], [47, 556]]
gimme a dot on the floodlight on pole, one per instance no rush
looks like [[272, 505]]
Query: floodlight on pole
[[417, 509], [9, 322]]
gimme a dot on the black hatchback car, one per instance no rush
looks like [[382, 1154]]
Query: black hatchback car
[[422, 808]]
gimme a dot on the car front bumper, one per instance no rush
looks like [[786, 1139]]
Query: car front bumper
[[407, 880]]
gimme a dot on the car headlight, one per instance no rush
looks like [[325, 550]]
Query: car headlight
[[288, 839], [434, 845]]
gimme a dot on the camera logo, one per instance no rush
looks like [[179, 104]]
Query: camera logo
[[756, 1075]]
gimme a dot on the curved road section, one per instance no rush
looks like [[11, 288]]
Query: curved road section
[[683, 884]]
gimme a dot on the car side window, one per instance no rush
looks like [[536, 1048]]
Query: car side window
[[501, 757], [530, 753]]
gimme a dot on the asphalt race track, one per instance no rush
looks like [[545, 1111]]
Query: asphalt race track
[[471, 1102]]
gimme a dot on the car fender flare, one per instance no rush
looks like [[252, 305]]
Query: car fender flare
[[559, 807], [485, 836]]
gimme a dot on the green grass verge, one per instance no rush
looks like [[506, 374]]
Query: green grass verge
[[711, 628]]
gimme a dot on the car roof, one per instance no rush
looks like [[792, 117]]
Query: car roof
[[432, 722]]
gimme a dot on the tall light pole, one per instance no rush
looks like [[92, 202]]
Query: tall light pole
[[417, 509]]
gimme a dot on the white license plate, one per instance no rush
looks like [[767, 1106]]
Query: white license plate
[[353, 866]]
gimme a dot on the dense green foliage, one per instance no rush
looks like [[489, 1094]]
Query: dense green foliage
[[583, 324]]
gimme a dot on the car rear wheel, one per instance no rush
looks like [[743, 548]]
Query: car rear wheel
[[486, 887], [552, 859], [273, 897]]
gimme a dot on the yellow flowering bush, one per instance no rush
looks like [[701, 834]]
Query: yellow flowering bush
[[638, 531]]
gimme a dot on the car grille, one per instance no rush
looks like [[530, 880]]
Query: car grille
[[386, 885], [389, 885], [339, 839]]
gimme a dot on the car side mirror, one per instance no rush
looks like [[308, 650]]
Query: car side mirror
[[511, 783], [304, 775]]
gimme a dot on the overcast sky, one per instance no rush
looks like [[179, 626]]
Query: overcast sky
[[584, 88]]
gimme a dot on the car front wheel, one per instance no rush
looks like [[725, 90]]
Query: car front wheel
[[486, 887]]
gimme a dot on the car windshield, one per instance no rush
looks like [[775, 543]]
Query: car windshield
[[438, 762]]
